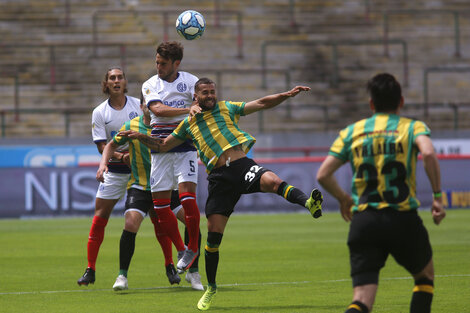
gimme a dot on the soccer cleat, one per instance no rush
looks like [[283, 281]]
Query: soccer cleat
[[173, 277], [121, 283], [313, 203], [195, 280], [187, 260], [205, 302], [87, 278], [180, 256]]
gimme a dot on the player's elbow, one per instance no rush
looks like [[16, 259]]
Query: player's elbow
[[158, 112], [428, 154], [322, 177], [156, 107]]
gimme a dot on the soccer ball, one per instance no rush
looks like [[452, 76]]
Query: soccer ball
[[190, 25]]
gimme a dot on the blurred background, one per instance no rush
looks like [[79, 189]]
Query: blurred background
[[54, 54]]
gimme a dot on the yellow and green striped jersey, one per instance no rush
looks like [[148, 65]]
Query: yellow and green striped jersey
[[383, 156], [139, 154], [215, 131]]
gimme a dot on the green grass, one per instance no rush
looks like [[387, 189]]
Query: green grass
[[268, 263]]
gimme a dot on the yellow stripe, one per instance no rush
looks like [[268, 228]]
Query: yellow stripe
[[209, 249], [357, 161], [355, 306], [139, 160], [424, 288], [134, 145], [216, 136], [228, 121], [212, 124], [379, 159], [198, 136], [287, 191]]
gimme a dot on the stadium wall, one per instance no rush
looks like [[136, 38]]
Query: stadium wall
[[60, 181]]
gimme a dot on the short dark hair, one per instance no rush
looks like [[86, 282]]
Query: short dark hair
[[385, 92], [104, 87], [203, 81], [172, 50]]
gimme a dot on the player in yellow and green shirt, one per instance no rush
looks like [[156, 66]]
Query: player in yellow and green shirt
[[222, 147], [139, 201], [383, 151]]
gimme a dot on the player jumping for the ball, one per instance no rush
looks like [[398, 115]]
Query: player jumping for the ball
[[222, 147]]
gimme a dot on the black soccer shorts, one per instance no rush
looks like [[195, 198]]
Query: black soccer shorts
[[142, 200], [228, 183], [374, 234]]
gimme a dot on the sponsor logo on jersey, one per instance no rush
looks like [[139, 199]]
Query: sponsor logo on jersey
[[133, 115], [147, 91], [182, 87], [175, 103]]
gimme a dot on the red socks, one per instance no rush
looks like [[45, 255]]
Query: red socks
[[95, 239], [168, 224], [164, 240], [192, 217]]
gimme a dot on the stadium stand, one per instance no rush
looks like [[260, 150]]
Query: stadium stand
[[53, 57]]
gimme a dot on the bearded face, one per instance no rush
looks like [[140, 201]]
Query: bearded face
[[206, 96]]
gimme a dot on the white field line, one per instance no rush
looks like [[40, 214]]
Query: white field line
[[222, 285]]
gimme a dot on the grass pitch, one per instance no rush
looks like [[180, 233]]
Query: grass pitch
[[268, 263]]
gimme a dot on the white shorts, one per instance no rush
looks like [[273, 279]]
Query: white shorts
[[172, 168], [114, 186]]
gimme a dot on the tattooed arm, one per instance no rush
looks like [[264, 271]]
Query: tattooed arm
[[156, 144]]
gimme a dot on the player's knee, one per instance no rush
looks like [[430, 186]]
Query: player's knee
[[426, 273], [269, 182], [133, 220]]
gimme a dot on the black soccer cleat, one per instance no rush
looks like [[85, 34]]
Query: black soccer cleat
[[172, 275], [87, 278]]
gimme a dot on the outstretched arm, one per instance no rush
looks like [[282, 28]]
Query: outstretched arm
[[270, 101], [431, 166], [328, 181], [156, 144]]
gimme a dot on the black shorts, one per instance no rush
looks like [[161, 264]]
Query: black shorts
[[228, 183], [374, 234], [142, 200]]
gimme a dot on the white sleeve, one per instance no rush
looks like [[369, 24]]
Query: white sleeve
[[97, 129], [191, 87], [150, 94]]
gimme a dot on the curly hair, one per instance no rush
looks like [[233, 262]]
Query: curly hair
[[172, 50]]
